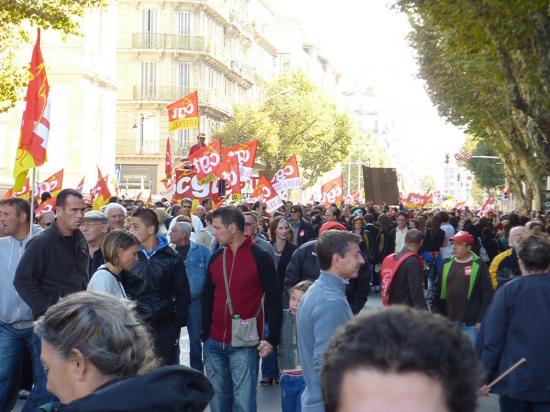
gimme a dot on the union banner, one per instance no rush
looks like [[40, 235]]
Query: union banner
[[184, 113]]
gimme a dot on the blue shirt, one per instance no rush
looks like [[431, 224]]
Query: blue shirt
[[196, 264], [322, 310]]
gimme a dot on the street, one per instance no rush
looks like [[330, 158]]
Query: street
[[269, 397]]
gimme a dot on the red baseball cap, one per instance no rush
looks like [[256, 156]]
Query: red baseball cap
[[463, 236], [332, 226]]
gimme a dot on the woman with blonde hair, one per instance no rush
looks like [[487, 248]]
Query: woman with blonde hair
[[99, 357], [120, 253]]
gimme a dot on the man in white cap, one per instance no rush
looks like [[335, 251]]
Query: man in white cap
[[94, 228]]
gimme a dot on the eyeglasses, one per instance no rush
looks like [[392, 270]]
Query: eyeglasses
[[186, 207]]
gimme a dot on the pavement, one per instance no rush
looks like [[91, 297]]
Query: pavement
[[269, 397]]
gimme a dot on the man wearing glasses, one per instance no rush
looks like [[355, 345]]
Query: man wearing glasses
[[94, 228], [186, 205]]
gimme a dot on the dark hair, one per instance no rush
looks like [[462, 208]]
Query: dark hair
[[335, 211], [414, 236], [20, 205], [61, 199], [273, 223], [45, 196], [205, 201], [208, 217], [401, 340], [404, 214], [534, 252], [297, 209], [331, 242], [230, 215], [114, 199], [148, 217], [444, 216]]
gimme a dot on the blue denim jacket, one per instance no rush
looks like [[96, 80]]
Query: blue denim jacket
[[196, 264]]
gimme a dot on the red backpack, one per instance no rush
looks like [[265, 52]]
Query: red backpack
[[388, 271]]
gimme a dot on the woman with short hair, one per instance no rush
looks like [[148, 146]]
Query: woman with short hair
[[99, 357], [119, 250]]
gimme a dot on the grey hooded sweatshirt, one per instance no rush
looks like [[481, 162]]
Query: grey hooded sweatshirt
[[13, 310]]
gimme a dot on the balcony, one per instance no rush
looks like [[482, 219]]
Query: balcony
[[167, 94], [168, 41]]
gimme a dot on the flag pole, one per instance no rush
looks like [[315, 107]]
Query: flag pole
[[33, 183]]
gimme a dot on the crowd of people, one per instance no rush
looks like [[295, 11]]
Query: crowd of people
[[92, 304]]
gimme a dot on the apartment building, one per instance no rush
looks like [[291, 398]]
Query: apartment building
[[81, 72], [167, 49]]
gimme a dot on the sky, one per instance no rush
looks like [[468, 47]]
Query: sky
[[366, 41]]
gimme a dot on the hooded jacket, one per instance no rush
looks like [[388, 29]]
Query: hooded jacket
[[167, 389], [53, 266], [13, 309], [158, 282]]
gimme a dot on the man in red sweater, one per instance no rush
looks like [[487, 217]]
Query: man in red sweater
[[253, 286], [201, 137]]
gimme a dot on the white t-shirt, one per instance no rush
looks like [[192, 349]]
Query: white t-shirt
[[103, 281]]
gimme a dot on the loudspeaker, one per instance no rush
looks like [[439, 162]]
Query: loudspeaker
[[381, 185]]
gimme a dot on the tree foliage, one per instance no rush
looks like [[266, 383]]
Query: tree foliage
[[17, 16], [487, 68], [488, 172], [295, 119]]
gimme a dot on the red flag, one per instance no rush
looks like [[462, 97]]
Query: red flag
[[229, 171], [168, 161], [332, 191], [80, 187], [184, 113], [206, 161], [35, 126], [52, 184], [265, 193], [487, 207], [47, 206], [287, 177], [187, 186], [101, 193], [416, 201], [245, 154], [24, 193], [138, 197]]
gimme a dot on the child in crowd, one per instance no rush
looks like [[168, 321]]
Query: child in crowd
[[292, 378]]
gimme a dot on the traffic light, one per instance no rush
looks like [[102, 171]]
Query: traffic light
[[447, 158]]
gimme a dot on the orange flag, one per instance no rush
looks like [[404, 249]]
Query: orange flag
[[101, 193], [47, 206], [184, 113], [52, 184], [168, 161], [24, 193], [332, 191], [35, 127]]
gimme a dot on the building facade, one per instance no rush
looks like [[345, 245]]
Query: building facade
[[81, 72], [166, 50]]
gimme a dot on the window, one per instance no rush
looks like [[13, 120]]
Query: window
[[184, 30], [184, 142], [148, 135], [149, 28], [148, 80]]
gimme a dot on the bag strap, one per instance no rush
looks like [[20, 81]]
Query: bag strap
[[228, 296]]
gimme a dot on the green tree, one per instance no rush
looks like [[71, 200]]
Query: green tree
[[295, 119], [17, 16], [487, 172], [487, 69]]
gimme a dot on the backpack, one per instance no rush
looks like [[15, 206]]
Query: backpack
[[387, 273]]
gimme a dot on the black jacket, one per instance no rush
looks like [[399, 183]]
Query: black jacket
[[52, 267], [284, 260], [305, 232], [407, 287], [159, 285], [167, 389], [480, 298], [303, 265]]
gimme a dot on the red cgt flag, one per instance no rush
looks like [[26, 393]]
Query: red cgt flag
[[206, 161], [184, 113], [287, 177], [229, 171], [332, 191], [245, 153], [47, 206], [35, 127], [52, 184], [265, 193]]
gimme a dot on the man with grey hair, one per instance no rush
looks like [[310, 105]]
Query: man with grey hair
[[115, 214], [94, 228], [196, 257], [324, 307], [505, 266]]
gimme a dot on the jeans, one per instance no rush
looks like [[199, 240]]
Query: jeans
[[194, 325], [470, 331], [291, 392], [12, 341], [514, 405], [233, 372], [270, 366], [39, 394]]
